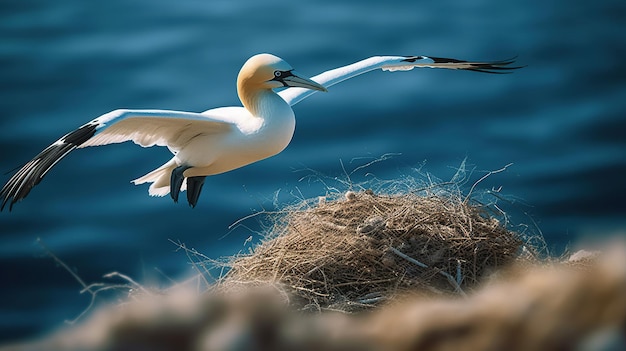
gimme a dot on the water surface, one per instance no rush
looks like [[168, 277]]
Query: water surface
[[561, 121]]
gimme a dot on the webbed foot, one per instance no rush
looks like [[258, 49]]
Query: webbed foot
[[176, 181], [194, 186]]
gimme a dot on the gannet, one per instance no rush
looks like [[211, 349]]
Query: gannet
[[221, 139]]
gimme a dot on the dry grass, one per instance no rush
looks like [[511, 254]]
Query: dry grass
[[364, 248], [361, 250]]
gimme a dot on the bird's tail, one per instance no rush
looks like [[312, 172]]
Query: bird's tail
[[160, 179]]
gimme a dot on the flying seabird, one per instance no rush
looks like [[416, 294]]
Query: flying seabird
[[221, 139]]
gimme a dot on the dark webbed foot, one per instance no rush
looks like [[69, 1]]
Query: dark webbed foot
[[176, 181], [194, 186]]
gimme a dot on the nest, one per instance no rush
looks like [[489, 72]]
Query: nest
[[363, 249]]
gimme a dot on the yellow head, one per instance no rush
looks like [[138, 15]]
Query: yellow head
[[266, 72]]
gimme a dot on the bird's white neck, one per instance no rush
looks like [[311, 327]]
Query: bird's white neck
[[262, 103], [270, 125]]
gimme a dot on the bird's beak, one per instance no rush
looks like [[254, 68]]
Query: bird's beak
[[295, 80]]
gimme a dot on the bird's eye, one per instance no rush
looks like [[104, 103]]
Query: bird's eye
[[277, 74]]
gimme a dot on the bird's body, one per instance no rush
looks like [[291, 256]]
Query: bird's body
[[221, 139], [230, 138]]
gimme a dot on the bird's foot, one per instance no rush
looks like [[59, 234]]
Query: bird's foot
[[194, 186], [176, 181]]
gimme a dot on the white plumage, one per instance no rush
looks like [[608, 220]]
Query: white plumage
[[220, 139]]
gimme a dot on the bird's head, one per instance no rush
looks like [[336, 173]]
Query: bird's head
[[266, 71]]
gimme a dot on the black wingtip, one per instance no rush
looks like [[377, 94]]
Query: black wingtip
[[496, 67], [414, 58], [493, 67], [29, 175], [495, 70], [4, 202]]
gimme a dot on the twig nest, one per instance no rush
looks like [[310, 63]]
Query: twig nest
[[371, 225], [332, 254]]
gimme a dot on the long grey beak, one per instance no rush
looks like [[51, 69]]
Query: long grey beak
[[295, 80]]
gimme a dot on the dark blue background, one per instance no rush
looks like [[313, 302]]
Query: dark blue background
[[561, 121]]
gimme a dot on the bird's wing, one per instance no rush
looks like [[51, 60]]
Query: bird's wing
[[147, 128], [392, 63], [144, 127]]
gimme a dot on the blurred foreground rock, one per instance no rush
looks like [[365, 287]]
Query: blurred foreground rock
[[527, 307]]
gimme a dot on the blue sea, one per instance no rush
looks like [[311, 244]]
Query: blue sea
[[559, 124]]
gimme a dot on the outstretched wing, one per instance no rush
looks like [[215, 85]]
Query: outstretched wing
[[144, 127], [392, 63]]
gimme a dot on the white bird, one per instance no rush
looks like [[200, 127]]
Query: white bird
[[221, 139]]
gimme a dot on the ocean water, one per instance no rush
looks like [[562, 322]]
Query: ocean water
[[560, 122]]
